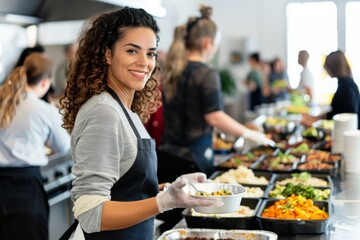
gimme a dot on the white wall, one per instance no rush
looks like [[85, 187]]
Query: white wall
[[13, 39], [258, 25], [260, 21]]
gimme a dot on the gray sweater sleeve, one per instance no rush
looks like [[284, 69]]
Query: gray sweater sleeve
[[98, 141]]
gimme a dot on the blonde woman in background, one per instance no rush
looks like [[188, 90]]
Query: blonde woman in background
[[27, 125], [193, 101]]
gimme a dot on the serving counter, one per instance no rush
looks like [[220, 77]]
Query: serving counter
[[344, 222], [343, 206]]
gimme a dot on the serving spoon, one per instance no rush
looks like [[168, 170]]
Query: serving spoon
[[197, 190]]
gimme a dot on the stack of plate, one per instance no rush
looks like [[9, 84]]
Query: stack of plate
[[352, 151], [342, 122]]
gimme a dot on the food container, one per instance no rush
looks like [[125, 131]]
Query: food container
[[208, 234], [325, 125], [316, 166], [279, 126], [273, 164], [325, 178], [236, 159], [231, 202], [289, 226], [299, 149], [244, 176], [251, 191], [221, 146], [316, 189], [225, 222], [324, 145], [313, 134], [264, 150], [323, 156]]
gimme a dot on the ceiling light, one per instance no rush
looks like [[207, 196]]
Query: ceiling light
[[153, 7], [22, 19]]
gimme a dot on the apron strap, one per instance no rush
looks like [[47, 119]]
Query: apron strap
[[115, 96], [69, 231]]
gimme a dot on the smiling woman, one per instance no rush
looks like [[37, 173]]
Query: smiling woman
[[110, 91], [132, 61]]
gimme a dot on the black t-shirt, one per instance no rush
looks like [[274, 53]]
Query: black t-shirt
[[346, 98], [197, 93]]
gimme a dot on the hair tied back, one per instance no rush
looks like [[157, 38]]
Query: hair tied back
[[206, 11]]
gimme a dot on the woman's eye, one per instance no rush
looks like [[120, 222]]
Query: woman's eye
[[131, 51], [153, 54]]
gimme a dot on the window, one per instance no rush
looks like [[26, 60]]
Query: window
[[312, 26], [352, 39]]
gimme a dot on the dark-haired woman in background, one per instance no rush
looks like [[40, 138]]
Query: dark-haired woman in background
[[346, 98], [27, 124]]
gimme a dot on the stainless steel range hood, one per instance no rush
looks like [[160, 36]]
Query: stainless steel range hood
[[28, 12], [154, 7]]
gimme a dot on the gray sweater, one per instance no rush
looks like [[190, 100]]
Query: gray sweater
[[104, 148]]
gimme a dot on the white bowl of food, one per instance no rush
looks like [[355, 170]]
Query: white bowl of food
[[230, 195]]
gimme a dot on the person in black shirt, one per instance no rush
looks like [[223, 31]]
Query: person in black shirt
[[254, 81], [193, 101], [346, 97]]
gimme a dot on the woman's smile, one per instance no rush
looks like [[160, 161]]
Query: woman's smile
[[138, 74]]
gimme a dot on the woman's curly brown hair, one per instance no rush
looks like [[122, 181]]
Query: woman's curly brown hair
[[88, 72]]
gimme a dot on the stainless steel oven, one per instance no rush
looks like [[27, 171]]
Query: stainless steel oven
[[57, 180]]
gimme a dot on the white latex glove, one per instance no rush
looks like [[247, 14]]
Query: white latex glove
[[197, 177], [175, 197], [257, 137]]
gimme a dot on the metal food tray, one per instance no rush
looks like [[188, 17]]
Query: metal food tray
[[182, 233]]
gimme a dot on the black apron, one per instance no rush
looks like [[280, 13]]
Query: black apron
[[140, 182], [24, 208], [203, 153]]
